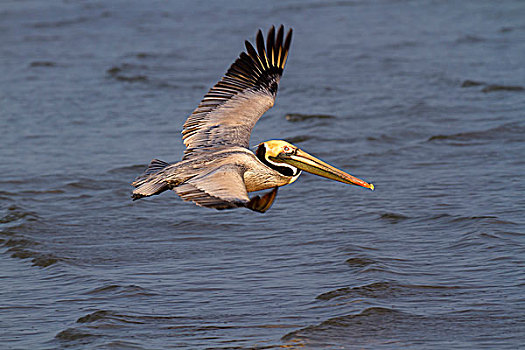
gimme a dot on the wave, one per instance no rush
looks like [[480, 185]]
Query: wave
[[491, 87], [373, 322], [108, 315], [94, 327], [387, 290], [118, 290], [497, 87], [299, 117], [15, 213], [360, 261], [61, 23], [13, 226], [377, 326], [508, 132], [73, 334], [469, 39], [137, 73], [43, 64], [393, 218]]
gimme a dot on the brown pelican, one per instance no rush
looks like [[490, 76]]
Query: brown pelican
[[218, 170]]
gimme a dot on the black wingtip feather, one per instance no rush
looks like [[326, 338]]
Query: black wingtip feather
[[253, 57], [286, 46], [261, 49], [260, 67], [270, 47], [279, 44]]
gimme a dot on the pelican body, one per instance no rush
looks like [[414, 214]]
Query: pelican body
[[217, 169]]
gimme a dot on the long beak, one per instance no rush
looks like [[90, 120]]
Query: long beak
[[309, 163]]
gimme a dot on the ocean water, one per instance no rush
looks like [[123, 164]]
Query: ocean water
[[423, 98]]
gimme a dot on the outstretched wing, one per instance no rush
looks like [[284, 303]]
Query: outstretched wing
[[229, 111], [223, 188]]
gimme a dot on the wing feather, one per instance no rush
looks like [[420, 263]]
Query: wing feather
[[229, 111], [223, 188]]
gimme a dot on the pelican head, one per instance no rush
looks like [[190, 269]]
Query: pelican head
[[290, 160]]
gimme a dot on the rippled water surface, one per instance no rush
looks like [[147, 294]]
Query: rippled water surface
[[423, 98]]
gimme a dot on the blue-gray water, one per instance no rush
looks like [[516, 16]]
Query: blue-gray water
[[426, 101]]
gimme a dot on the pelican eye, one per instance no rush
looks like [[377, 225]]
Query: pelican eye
[[289, 150]]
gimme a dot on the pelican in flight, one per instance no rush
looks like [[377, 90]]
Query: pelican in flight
[[217, 169]]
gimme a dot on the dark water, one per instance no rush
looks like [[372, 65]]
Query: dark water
[[423, 98]]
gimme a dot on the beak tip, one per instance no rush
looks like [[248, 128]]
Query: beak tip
[[372, 187]]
